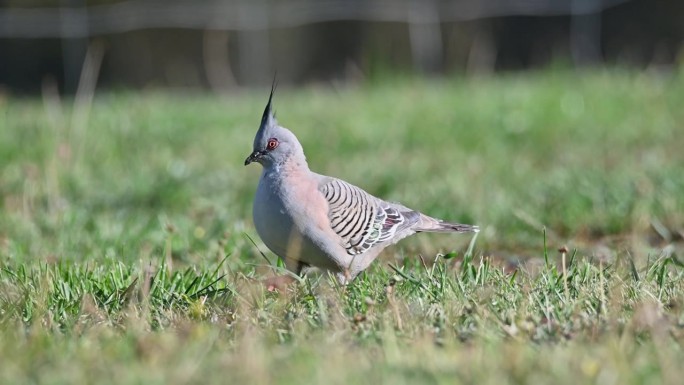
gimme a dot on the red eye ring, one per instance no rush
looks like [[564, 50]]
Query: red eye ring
[[272, 144]]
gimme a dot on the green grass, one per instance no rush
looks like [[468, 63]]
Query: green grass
[[125, 254]]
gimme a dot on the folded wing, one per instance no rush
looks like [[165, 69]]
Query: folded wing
[[362, 220]]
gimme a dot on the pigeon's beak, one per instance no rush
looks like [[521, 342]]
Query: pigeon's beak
[[253, 157]]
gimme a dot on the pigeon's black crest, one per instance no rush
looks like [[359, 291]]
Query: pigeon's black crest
[[268, 111]]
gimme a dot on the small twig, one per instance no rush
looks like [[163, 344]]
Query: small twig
[[422, 261], [602, 308], [563, 250]]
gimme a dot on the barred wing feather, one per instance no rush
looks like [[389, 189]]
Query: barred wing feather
[[362, 220]]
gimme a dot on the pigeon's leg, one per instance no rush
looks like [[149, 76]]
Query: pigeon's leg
[[281, 282], [344, 277]]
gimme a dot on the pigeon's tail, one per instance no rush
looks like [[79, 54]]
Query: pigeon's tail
[[434, 225]]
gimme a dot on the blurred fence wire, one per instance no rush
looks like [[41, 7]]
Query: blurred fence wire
[[75, 21]]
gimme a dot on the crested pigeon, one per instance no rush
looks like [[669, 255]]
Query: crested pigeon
[[308, 219]]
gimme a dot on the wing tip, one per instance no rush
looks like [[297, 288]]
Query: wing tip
[[461, 228], [438, 225]]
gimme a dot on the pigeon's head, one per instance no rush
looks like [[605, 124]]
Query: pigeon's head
[[273, 144]]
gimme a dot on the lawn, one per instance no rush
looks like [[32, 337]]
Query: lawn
[[128, 253]]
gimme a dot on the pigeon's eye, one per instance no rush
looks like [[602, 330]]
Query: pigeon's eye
[[272, 144]]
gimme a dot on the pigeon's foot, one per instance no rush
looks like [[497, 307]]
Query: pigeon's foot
[[278, 283]]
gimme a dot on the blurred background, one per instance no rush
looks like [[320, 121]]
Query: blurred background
[[130, 118], [224, 45]]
